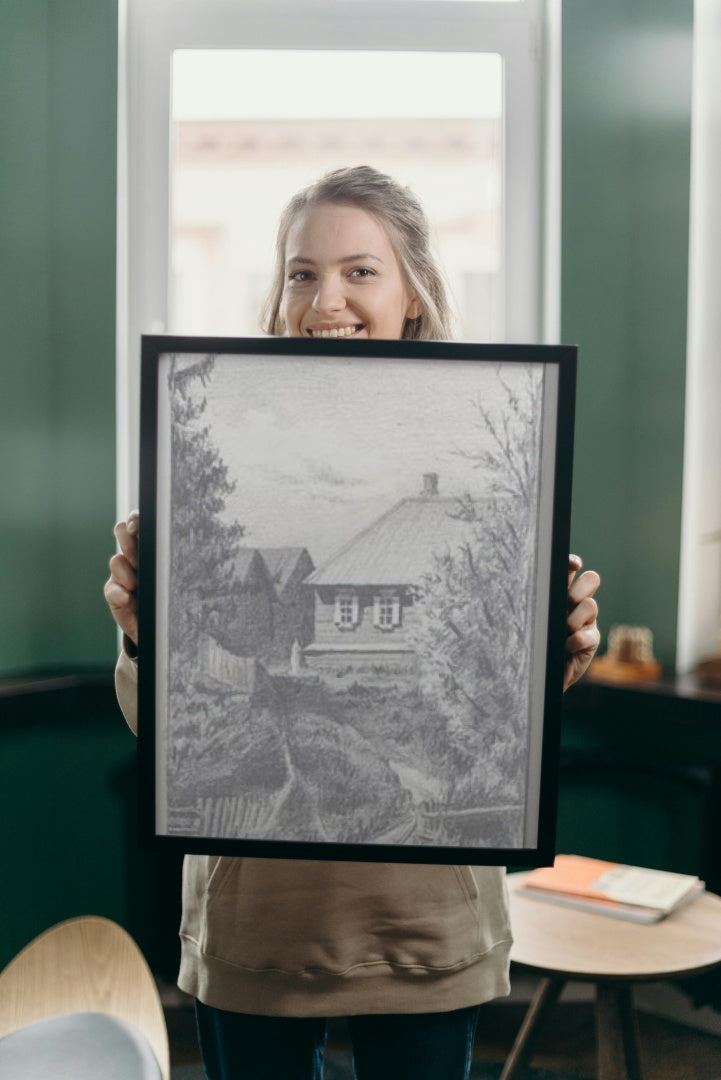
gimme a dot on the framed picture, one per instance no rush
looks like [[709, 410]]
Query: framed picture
[[352, 597]]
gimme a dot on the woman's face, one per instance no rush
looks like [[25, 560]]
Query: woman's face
[[342, 277]]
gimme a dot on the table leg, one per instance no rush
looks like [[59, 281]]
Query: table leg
[[545, 997], [617, 1033]]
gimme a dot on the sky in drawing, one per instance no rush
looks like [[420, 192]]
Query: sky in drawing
[[319, 449]]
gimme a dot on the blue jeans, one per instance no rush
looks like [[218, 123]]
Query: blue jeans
[[415, 1046]]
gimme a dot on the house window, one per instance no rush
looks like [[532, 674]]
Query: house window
[[386, 612], [346, 611]]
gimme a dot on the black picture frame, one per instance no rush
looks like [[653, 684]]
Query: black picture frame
[[302, 694]]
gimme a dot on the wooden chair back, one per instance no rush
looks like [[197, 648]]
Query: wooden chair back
[[87, 964]]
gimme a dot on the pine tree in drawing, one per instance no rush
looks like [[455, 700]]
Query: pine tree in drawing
[[202, 545], [202, 549]]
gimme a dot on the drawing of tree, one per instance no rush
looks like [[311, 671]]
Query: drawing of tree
[[473, 637], [202, 545], [202, 549]]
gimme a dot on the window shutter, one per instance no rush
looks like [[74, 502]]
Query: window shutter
[[355, 609], [396, 611], [376, 610]]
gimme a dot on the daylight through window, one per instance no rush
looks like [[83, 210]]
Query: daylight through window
[[236, 161]]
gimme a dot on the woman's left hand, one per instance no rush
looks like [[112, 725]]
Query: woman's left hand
[[583, 636]]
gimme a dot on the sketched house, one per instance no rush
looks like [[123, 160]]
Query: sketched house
[[246, 626], [267, 606], [292, 601], [365, 595]]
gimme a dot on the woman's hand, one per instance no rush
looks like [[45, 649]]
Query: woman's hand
[[583, 636], [120, 588]]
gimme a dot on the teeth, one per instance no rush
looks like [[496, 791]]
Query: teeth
[[335, 332]]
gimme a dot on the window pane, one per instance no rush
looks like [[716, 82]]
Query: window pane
[[252, 127]]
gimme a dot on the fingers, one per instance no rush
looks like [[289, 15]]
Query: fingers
[[120, 600], [126, 533], [123, 572], [123, 608], [583, 636], [584, 586], [580, 648], [586, 640], [584, 613], [575, 562], [120, 588]]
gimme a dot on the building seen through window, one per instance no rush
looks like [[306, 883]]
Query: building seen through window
[[232, 174]]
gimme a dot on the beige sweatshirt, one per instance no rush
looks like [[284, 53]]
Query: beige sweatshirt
[[286, 937]]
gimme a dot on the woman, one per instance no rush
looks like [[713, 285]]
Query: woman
[[271, 948]]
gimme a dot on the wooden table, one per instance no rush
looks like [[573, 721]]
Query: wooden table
[[563, 944]]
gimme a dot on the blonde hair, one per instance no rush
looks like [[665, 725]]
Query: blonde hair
[[403, 217]]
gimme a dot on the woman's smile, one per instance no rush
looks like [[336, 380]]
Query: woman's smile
[[335, 331]]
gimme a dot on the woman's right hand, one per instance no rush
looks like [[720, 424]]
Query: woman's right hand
[[121, 587]]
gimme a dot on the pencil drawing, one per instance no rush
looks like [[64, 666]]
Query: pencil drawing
[[350, 639]]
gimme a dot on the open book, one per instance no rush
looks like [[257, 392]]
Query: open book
[[607, 888]]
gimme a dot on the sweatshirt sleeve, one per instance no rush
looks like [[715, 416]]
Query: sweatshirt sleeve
[[126, 688]]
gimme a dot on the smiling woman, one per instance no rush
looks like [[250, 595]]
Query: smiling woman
[[329, 293], [353, 259], [271, 946]]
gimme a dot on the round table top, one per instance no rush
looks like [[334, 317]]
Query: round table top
[[559, 940]]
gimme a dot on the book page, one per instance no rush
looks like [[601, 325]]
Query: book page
[[652, 888]]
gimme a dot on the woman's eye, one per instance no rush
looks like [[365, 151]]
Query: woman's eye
[[300, 276], [362, 272]]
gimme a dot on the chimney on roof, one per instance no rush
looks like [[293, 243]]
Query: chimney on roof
[[430, 484]]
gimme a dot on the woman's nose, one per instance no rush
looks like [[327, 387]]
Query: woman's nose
[[329, 296]]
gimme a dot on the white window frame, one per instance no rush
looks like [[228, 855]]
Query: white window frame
[[339, 619], [525, 34], [699, 597], [379, 602]]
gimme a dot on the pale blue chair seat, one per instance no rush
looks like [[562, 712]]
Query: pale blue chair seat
[[78, 1046]]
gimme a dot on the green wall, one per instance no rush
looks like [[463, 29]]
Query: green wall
[[626, 146], [67, 773], [58, 71]]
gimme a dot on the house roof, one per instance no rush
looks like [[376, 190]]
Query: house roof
[[398, 548], [273, 565], [281, 562], [245, 560]]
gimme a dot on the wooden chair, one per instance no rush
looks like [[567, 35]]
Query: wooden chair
[[84, 967]]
